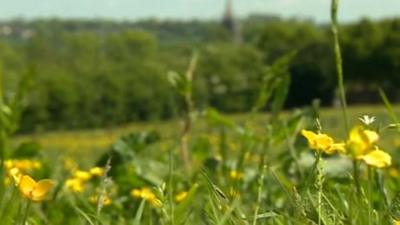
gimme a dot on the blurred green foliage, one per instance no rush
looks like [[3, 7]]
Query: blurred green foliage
[[102, 73]]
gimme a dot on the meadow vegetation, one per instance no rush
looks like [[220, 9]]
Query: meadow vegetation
[[308, 165]]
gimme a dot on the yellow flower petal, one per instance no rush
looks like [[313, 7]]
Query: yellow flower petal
[[35, 191], [181, 196], [27, 185], [75, 185], [97, 171], [361, 141], [82, 175], [377, 158], [339, 147], [322, 142], [42, 188], [235, 175], [16, 175]]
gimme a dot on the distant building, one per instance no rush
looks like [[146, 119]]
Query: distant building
[[229, 22]]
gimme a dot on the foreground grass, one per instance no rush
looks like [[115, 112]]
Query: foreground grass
[[244, 169]]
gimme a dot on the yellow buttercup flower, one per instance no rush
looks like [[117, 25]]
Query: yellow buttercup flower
[[235, 175], [16, 175], [322, 142], [82, 175], [22, 164], [105, 200], [35, 191], [396, 222], [75, 185], [96, 171], [377, 158], [147, 194], [362, 146], [361, 141], [181, 196]]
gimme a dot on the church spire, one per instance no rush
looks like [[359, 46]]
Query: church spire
[[228, 21]]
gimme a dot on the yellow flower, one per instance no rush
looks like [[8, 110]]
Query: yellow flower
[[181, 196], [361, 141], [396, 222], [322, 142], [35, 191], [82, 175], [105, 200], [8, 164], [235, 175], [362, 146], [377, 158], [16, 174], [22, 164], [147, 194], [75, 185], [97, 171]]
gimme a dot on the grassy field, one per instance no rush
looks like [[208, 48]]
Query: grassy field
[[98, 140], [242, 169]]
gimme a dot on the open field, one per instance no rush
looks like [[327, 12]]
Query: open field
[[98, 140]]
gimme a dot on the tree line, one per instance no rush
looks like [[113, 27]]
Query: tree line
[[104, 73]]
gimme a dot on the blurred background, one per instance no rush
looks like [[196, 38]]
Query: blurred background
[[104, 63]]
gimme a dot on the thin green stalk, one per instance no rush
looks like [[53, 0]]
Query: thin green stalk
[[105, 180], [320, 181], [3, 134], [356, 175], [28, 205], [339, 70], [263, 170], [311, 175], [292, 150], [189, 109], [370, 195], [170, 187], [338, 61]]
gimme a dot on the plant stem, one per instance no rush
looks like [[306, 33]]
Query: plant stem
[[189, 106], [338, 61], [340, 80], [170, 187], [319, 183], [28, 204], [311, 175], [3, 132], [263, 170], [369, 195]]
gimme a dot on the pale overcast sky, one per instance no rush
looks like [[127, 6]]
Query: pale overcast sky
[[318, 10]]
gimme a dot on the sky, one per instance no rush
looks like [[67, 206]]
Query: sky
[[316, 10]]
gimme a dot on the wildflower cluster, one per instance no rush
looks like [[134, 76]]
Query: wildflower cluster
[[146, 194], [104, 199], [16, 171], [80, 178], [16, 167], [361, 145]]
